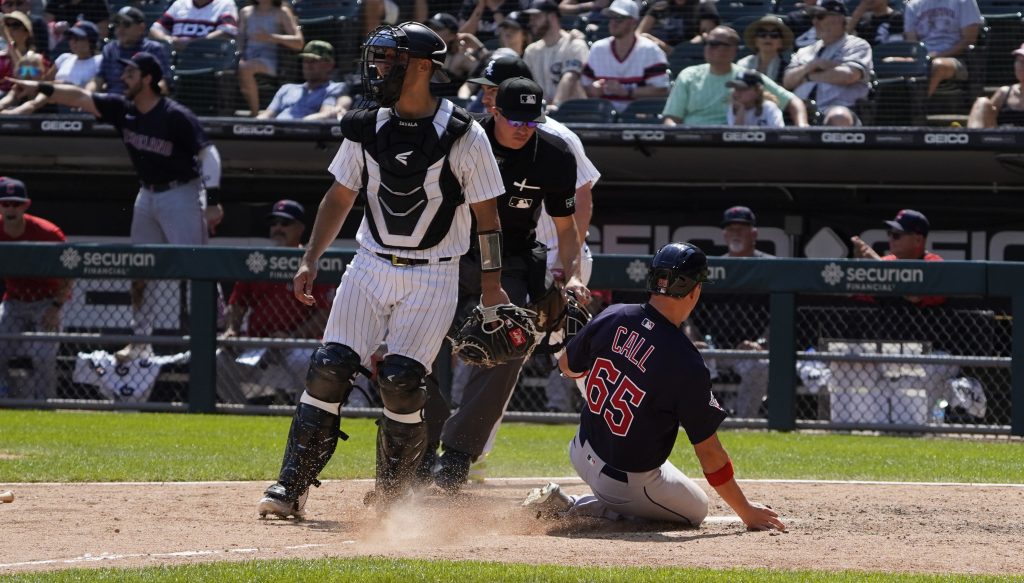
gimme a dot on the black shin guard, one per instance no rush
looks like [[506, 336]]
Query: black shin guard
[[400, 448], [311, 441]]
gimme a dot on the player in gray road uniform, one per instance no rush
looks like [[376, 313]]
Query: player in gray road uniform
[[641, 378]]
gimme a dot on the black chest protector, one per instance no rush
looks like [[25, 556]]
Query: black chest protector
[[408, 187]]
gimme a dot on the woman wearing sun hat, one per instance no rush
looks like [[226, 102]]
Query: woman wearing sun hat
[[770, 40]]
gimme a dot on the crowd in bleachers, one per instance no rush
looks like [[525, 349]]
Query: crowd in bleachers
[[692, 62]]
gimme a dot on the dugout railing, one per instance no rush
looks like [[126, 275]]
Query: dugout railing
[[792, 343]]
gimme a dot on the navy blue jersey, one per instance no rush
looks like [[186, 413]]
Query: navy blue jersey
[[163, 143], [542, 171], [644, 379]]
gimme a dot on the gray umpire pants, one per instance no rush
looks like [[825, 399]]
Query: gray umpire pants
[[487, 390]]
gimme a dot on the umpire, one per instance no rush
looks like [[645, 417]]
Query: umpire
[[536, 167], [177, 166]]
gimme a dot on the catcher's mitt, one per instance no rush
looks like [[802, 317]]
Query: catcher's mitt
[[563, 326], [496, 334]]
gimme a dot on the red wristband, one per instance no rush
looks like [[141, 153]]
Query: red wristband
[[720, 476]]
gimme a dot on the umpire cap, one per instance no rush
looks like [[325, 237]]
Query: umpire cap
[[676, 269]]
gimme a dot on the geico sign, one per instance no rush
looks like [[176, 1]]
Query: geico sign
[[842, 138], [646, 135], [56, 125], [743, 136], [946, 138], [255, 130]]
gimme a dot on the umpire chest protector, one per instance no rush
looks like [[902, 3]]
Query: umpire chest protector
[[408, 186]]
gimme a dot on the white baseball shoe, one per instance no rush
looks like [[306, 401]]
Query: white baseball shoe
[[274, 503], [549, 501]]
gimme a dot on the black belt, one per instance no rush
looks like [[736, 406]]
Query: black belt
[[165, 186], [407, 262], [608, 469]]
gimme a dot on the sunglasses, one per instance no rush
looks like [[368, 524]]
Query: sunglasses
[[717, 44], [28, 71], [896, 235], [14, 24], [823, 15], [281, 222], [522, 124], [10, 204], [769, 34]]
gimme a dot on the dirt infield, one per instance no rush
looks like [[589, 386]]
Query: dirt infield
[[922, 528]]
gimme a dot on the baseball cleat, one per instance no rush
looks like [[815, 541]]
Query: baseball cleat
[[548, 501], [274, 502]]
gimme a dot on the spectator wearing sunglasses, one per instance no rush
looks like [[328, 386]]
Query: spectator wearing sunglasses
[[37, 27], [835, 71], [700, 96], [876, 22], [770, 40], [129, 38], [17, 33], [272, 312], [29, 304], [536, 168], [908, 238], [30, 68]]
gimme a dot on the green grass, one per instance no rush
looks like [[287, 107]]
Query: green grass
[[42, 446], [410, 571]]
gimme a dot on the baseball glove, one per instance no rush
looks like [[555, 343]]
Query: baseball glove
[[550, 309], [494, 335], [563, 326]]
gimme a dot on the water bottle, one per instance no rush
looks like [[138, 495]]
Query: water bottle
[[939, 412]]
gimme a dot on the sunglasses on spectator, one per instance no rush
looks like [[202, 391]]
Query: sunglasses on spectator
[[896, 235], [10, 204], [716, 44], [769, 34], [522, 124], [821, 15], [28, 71], [281, 222], [13, 24]]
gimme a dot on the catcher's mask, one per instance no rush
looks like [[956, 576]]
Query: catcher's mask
[[386, 54], [676, 269]]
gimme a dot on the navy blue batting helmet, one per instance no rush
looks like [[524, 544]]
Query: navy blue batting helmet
[[676, 269]]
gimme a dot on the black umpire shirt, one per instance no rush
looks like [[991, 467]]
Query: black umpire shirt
[[542, 171]]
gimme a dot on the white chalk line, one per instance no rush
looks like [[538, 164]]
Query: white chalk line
[[106, 556]]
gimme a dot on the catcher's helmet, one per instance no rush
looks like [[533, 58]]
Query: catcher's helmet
[[676, 269], [405, 41]]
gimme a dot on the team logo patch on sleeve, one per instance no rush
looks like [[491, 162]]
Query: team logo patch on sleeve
[[647, 324]]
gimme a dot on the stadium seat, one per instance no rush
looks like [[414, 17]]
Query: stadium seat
[[585, 111], [901, 73], [204, 75], [646, 110], [730, 11], [683, 55], [1004, 20]]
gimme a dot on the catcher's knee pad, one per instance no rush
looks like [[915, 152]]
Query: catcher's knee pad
[[332, 367], [402, 384]]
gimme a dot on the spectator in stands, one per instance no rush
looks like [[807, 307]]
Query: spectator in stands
[[835, 71], [263, 27], [556, 59], [29, 304], [81, 66], [318, 97], [1006, 106], [739, 233], [876, 22], [482, 17], [624, 66], [63, 14], [273, 312], [513, 37], [699, 95], [20, 43], [30, 67], [908, 238], [947, 28], [673, 21], [801, 22], [129, 38], [750, 104], [189, 20], [464, 50], [770, 40], [38, 29]]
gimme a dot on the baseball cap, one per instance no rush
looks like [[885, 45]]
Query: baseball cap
[[130, 14], [738, 214], [520, 99], [539, 6], [12, 189], [319, 50], [627, 8], [20, 17], [502, 68], [146, 63], [833, 6], [443, 20], [84, 29], [744, 79], [909, 221], [288, 209], [1019, 51]]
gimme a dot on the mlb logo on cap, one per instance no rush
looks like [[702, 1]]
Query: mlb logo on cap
[[528, 99]]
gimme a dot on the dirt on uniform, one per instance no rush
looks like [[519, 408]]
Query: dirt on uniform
[[876, 527]]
